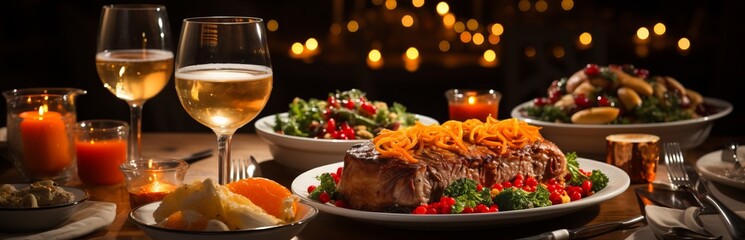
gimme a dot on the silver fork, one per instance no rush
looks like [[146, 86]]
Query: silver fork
[[242, 168], [680, 179]]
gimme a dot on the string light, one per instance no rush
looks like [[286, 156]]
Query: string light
[[407, 20], [444, 46], [478, 38], [442, 8], [684, 44], [311, 44], [567, 5], [472, 24], [642, 33], [465, 37], [390, 4], [541, 6], [448, 20], [659, 28], [417, 3], [272, 25], [497, 29], [353, 26], [523, 5]]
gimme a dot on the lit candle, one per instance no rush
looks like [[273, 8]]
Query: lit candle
[[46, 146], [151, 192], [98, 161], [464, 105]]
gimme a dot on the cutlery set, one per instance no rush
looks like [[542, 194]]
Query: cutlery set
[[687, 190]]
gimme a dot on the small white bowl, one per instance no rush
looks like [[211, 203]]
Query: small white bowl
[[143, 217], [589, 139], [304, 153], [40, 218]]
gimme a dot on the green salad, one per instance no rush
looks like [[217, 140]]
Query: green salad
[[342, 115]]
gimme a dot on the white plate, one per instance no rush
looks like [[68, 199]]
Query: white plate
[[304, 153], [712, 167], [143, 217], [617, 184]]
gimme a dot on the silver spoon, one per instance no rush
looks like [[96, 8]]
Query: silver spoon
[[729, 154]]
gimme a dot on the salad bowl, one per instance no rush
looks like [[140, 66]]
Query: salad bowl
[[305, 153], [589, 139]]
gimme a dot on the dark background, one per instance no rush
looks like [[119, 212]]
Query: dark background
[[52, 44]]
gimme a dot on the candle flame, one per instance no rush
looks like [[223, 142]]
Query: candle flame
[[43, 109], [471, 100]]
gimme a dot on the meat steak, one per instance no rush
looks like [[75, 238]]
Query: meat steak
[[374, 183]]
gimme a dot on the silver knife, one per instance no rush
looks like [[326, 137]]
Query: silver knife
[[587, 231]]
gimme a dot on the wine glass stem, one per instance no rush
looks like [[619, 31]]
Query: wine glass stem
[[223, 151], [135, 137]]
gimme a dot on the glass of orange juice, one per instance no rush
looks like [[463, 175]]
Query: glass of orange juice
[[101, 147]]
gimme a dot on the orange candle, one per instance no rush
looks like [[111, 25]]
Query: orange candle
[[155, 191], [99, 161], [473, 109], [46, 146]]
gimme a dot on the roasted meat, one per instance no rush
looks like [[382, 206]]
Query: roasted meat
[[376, 183]]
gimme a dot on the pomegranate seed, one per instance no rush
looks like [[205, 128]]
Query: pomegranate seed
[[519, 176], [552, 181], [581, 100], [479, 188], [592, 70], [339, 170], [494, 208], [506, 184], [431, 210], [603, 101]]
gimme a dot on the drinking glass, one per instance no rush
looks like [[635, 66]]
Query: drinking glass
[[134, 58], [223, 75]]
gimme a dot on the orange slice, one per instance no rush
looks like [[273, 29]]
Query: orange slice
[[271, 196]]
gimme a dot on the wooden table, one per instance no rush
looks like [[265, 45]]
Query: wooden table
[[327, 226]]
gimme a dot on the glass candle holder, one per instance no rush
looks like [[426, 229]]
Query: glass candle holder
[[40, 132], [100, 148], [151, 179], [464, 104]]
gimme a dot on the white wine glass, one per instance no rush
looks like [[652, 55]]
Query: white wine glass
[[134, 58], [223, 76]]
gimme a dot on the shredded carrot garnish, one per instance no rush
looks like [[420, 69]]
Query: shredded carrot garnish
[[453, 136]]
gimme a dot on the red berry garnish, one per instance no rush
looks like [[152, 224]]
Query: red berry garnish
[[603, 101], [311, 188], [592, 70], [581, 101]]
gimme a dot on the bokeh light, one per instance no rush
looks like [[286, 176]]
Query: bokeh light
[[472, 24], [497, 29], [442, 8], [541, 6], [417, 3], [684, 44], [311, 44], [465, 37], [390, 4], [585, 38], [297, 48], [407, 20], [642, 33], [412, 53], [448, 20], [567, 5], [478, 38], [272, 25], [444, 46], [659, 28], [353, 26]]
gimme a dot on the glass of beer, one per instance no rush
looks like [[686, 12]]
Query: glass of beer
[[134, 58], [223, 76]]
